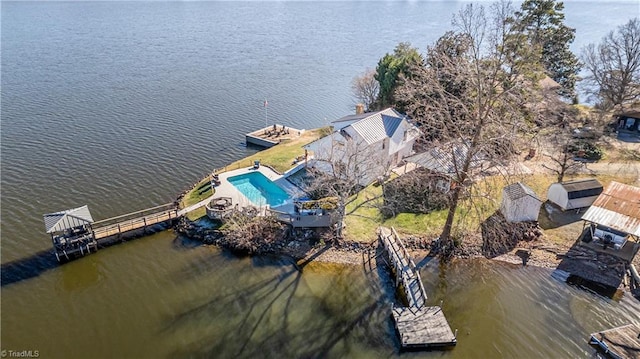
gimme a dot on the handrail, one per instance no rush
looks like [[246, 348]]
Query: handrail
[[139, 212], [405, 273]]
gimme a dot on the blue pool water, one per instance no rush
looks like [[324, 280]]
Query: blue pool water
[[259, 189]]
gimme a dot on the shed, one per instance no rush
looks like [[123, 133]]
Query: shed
[[617, 209], [520, 203], [574, 194]]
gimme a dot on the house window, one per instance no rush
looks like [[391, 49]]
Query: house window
[[404, 137], [383, 144], [442, 186]]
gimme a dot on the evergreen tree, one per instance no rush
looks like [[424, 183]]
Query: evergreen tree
[[389, 69], [542, 21]]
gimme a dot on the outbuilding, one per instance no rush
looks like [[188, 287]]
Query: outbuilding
[[574, 194], [520, 203], [614, 219]]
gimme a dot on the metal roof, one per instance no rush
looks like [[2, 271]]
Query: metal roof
[[581, 184], [378, 125], [617, 207], [447, 158], [632, 112], [358, 116], [71, 218], [519, 190]]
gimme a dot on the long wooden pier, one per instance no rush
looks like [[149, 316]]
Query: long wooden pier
[[619, 343], [418, 325], [135, 220], [74, 233]]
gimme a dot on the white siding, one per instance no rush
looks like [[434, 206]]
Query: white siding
[[558, 195], [520, 210], [580, 202]]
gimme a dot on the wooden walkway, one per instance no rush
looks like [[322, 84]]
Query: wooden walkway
[[406, 273], [418, 325], [619, 343], [142, 219], [135, 220]]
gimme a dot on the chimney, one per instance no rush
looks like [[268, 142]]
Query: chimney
[[359, 109]]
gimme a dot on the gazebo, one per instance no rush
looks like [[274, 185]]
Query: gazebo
[[71, 232]]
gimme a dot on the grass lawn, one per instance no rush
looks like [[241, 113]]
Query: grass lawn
[[363, 216]]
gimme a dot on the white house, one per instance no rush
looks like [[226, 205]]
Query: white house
[[520, 203], [365, 143], [574, 194]]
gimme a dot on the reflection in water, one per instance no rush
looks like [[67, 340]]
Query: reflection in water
[[82, 275], [160, 299]]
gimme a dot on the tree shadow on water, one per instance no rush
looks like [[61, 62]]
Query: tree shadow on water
[[263, 319]]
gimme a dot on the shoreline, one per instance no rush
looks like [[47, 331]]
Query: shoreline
[[539, 253], [538, 244]]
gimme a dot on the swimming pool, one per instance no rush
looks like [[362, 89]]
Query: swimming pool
[[259, 189]]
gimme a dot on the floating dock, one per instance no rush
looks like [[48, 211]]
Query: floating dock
[[424, 327], [419, 326], [272, 135], [619, 343]]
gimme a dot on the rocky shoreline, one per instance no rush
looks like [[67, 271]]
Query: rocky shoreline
[[305, 247]]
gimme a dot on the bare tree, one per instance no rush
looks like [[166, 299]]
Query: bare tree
[[344, 164], [366, 88], [470, 92], [614, 66], [247, 233], [562, 161]]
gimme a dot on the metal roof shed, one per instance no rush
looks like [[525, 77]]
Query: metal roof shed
[[574, 194], [617, 208]]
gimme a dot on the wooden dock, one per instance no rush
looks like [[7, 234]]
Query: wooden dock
[[418, 325], [272, 135], [75, 234], [619, 343], [423, 327], [116, 226], [405, 270]]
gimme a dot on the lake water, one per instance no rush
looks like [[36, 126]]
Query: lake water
[[122, 105]]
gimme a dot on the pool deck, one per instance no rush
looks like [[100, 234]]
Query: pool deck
[[226, 189]]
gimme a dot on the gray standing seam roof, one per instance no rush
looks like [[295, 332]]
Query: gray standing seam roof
[[446, 158], [71, 218], [375, 128]]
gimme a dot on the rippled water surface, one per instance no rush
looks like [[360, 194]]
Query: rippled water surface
[[122, 105]]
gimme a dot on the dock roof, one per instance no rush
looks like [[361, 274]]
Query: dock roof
[[71, 218], [617, 207]]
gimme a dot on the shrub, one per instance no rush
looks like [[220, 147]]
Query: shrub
[[586, 150], [413, 192]]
